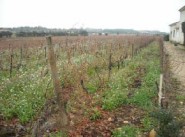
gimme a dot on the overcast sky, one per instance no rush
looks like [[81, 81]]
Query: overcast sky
[[128, 14]]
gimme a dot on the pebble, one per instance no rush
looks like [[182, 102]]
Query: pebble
[[110, 119], [125, 122]]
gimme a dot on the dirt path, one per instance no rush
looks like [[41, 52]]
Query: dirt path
[[177, 61], [177, 68]]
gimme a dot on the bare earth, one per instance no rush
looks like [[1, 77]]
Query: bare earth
[[177, 61], [177, 68]]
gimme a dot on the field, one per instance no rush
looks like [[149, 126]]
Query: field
[[107, 82]]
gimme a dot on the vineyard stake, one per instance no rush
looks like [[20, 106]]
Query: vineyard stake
[[56, 82], [160, 94], [11, 62], [132, 50]]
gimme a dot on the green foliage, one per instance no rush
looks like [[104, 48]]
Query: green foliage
[[24, 94], [82, 58], [93, 84], [24, 97], [123, 78], [143, 95], [148, 123], [113, 99], [126, 131], [168, 125], [92, 88], [58, 134], [96, 114], [142, 98], [116, 93], [180, 97], [91, 71]]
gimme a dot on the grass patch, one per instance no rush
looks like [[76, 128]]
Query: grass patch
[[142, 99], [126, 131], [116, 93], [145, 68], [95, 114], [180, 97], [23, 97], [58, 134], [148, 123], [143, 95], [113, 99]]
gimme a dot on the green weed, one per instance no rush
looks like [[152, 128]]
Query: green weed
[[180, 97], [143, 95], [24, 97], [96, 114], [148, 123], [57, 134], [126, 131], [119, 85]]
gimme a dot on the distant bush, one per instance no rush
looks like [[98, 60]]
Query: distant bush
[[166, 37], [5, 34], [58, 33]]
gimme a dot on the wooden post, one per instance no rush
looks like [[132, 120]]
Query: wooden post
[[21, 52], [132, 50], [160, 94], [162, 54], [69, 55], [118, 64], [1, 65], [45, 52], [110, 65], [56, 82], [21, 56], [11, 62], [9, 47]]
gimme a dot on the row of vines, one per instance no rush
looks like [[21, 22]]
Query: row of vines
[[86, 66]]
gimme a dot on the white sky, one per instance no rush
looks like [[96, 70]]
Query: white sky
[[128, 14]]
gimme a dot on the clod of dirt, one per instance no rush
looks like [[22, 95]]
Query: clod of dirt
[[20, 130], [7, 131]]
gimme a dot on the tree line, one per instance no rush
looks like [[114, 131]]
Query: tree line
[[40, 31]]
